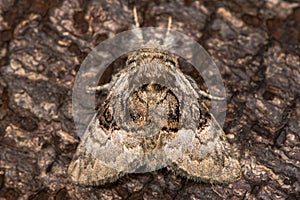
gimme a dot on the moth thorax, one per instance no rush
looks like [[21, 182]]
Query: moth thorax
[[154, 108]]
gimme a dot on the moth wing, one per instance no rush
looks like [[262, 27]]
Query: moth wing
[[209, 157], [85, 168]]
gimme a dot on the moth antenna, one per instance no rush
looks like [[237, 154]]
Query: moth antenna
[[169, 26], [137, 24], [167, 38], [136, 18]]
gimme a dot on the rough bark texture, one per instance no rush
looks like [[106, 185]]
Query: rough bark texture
[[254, 43]]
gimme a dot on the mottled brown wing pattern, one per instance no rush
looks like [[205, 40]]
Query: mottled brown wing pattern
[[155, 112], [209, 158], [85, 168]]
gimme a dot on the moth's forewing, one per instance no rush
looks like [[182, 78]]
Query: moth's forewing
[[209, 158], [85, 168]]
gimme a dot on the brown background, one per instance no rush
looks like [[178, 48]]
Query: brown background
[[254, 43]]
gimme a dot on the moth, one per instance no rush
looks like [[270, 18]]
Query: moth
[[153, 117]]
